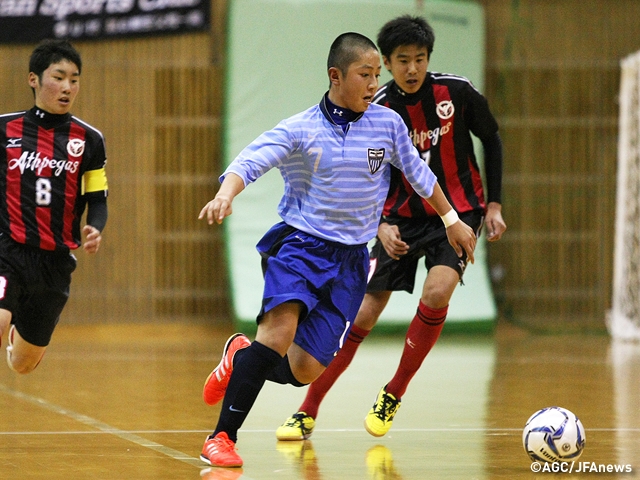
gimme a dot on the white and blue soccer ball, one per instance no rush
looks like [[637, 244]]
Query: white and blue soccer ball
[[553, 434]]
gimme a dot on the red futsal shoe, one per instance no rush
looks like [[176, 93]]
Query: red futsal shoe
[[220, 451], [216, 384]]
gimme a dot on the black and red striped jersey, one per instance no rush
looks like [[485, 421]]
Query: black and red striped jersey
[[49, 167], [441, 117]]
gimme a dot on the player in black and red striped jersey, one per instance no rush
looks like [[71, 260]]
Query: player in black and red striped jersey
[[441, 111], [52, 167]]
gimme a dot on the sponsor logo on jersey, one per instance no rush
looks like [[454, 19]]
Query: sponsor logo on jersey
[[420, 137], [75, 147], [376, 156], [14, 142], [445, 109], [34, 162]]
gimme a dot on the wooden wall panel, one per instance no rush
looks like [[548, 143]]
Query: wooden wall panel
[[190, 273], [158, 102], [552, 81]]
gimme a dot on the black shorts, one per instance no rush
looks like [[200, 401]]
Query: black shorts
[[34, 287], [426, 238]]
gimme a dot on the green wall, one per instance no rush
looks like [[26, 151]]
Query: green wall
[[276, 62]]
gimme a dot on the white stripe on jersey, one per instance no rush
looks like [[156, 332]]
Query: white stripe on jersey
[[22, 112], [91, 127], [380, 93], [329, 188], [453, 76]]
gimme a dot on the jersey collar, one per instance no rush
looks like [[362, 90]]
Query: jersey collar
[[325, 108], [410, 98], [46, 119]]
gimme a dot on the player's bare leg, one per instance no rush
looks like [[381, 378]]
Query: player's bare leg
[[22, 356], [5, 322], [371, 309], [303, 366], [439, 285], [278, 327]]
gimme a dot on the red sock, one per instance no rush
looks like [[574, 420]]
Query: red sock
[[422, 335], [321, 385]]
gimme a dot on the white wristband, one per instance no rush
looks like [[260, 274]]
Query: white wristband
[[449, 218]]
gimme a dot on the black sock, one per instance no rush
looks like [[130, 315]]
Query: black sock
[[282, 374], [250, 371]]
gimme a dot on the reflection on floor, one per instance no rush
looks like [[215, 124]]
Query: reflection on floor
[[123, 402]]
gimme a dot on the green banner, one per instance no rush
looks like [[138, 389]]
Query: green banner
[[277, 54]]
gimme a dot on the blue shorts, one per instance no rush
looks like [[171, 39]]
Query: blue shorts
[[329, 278]]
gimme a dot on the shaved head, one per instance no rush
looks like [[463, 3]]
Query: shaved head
[[346, 49]]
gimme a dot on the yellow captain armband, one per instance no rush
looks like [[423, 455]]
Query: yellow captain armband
[[94, 181]]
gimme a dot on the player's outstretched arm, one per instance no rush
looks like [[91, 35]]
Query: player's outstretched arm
[[220, 207], [461, 236]]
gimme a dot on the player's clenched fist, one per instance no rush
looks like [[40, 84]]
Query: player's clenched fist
[[92, 240]]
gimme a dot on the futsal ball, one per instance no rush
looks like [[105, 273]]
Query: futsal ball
[[553, 434]]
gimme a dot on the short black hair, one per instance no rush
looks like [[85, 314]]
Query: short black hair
[[405, 30], [53, 51], [346, 49]]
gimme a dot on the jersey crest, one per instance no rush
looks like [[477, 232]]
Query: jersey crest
[[75, 147], [376, 156], [445, 109]]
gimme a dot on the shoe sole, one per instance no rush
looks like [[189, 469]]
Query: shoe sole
[[295, 438], [292, 438], [208, 462], [371, 432]]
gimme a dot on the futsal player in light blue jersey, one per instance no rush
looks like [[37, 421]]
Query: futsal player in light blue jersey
[[335, 160]]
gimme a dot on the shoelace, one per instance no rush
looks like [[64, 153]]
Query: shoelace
[[222, 444], [295, 419], [387, 408]]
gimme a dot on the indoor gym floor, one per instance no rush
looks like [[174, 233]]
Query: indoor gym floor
[[124, 402]]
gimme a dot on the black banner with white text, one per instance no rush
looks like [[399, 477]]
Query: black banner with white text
[[29, 21]]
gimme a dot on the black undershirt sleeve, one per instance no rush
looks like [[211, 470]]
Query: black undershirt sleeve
[[97, 212], [493, 166]]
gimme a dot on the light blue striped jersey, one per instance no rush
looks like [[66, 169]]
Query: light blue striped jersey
[[335, 184]]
